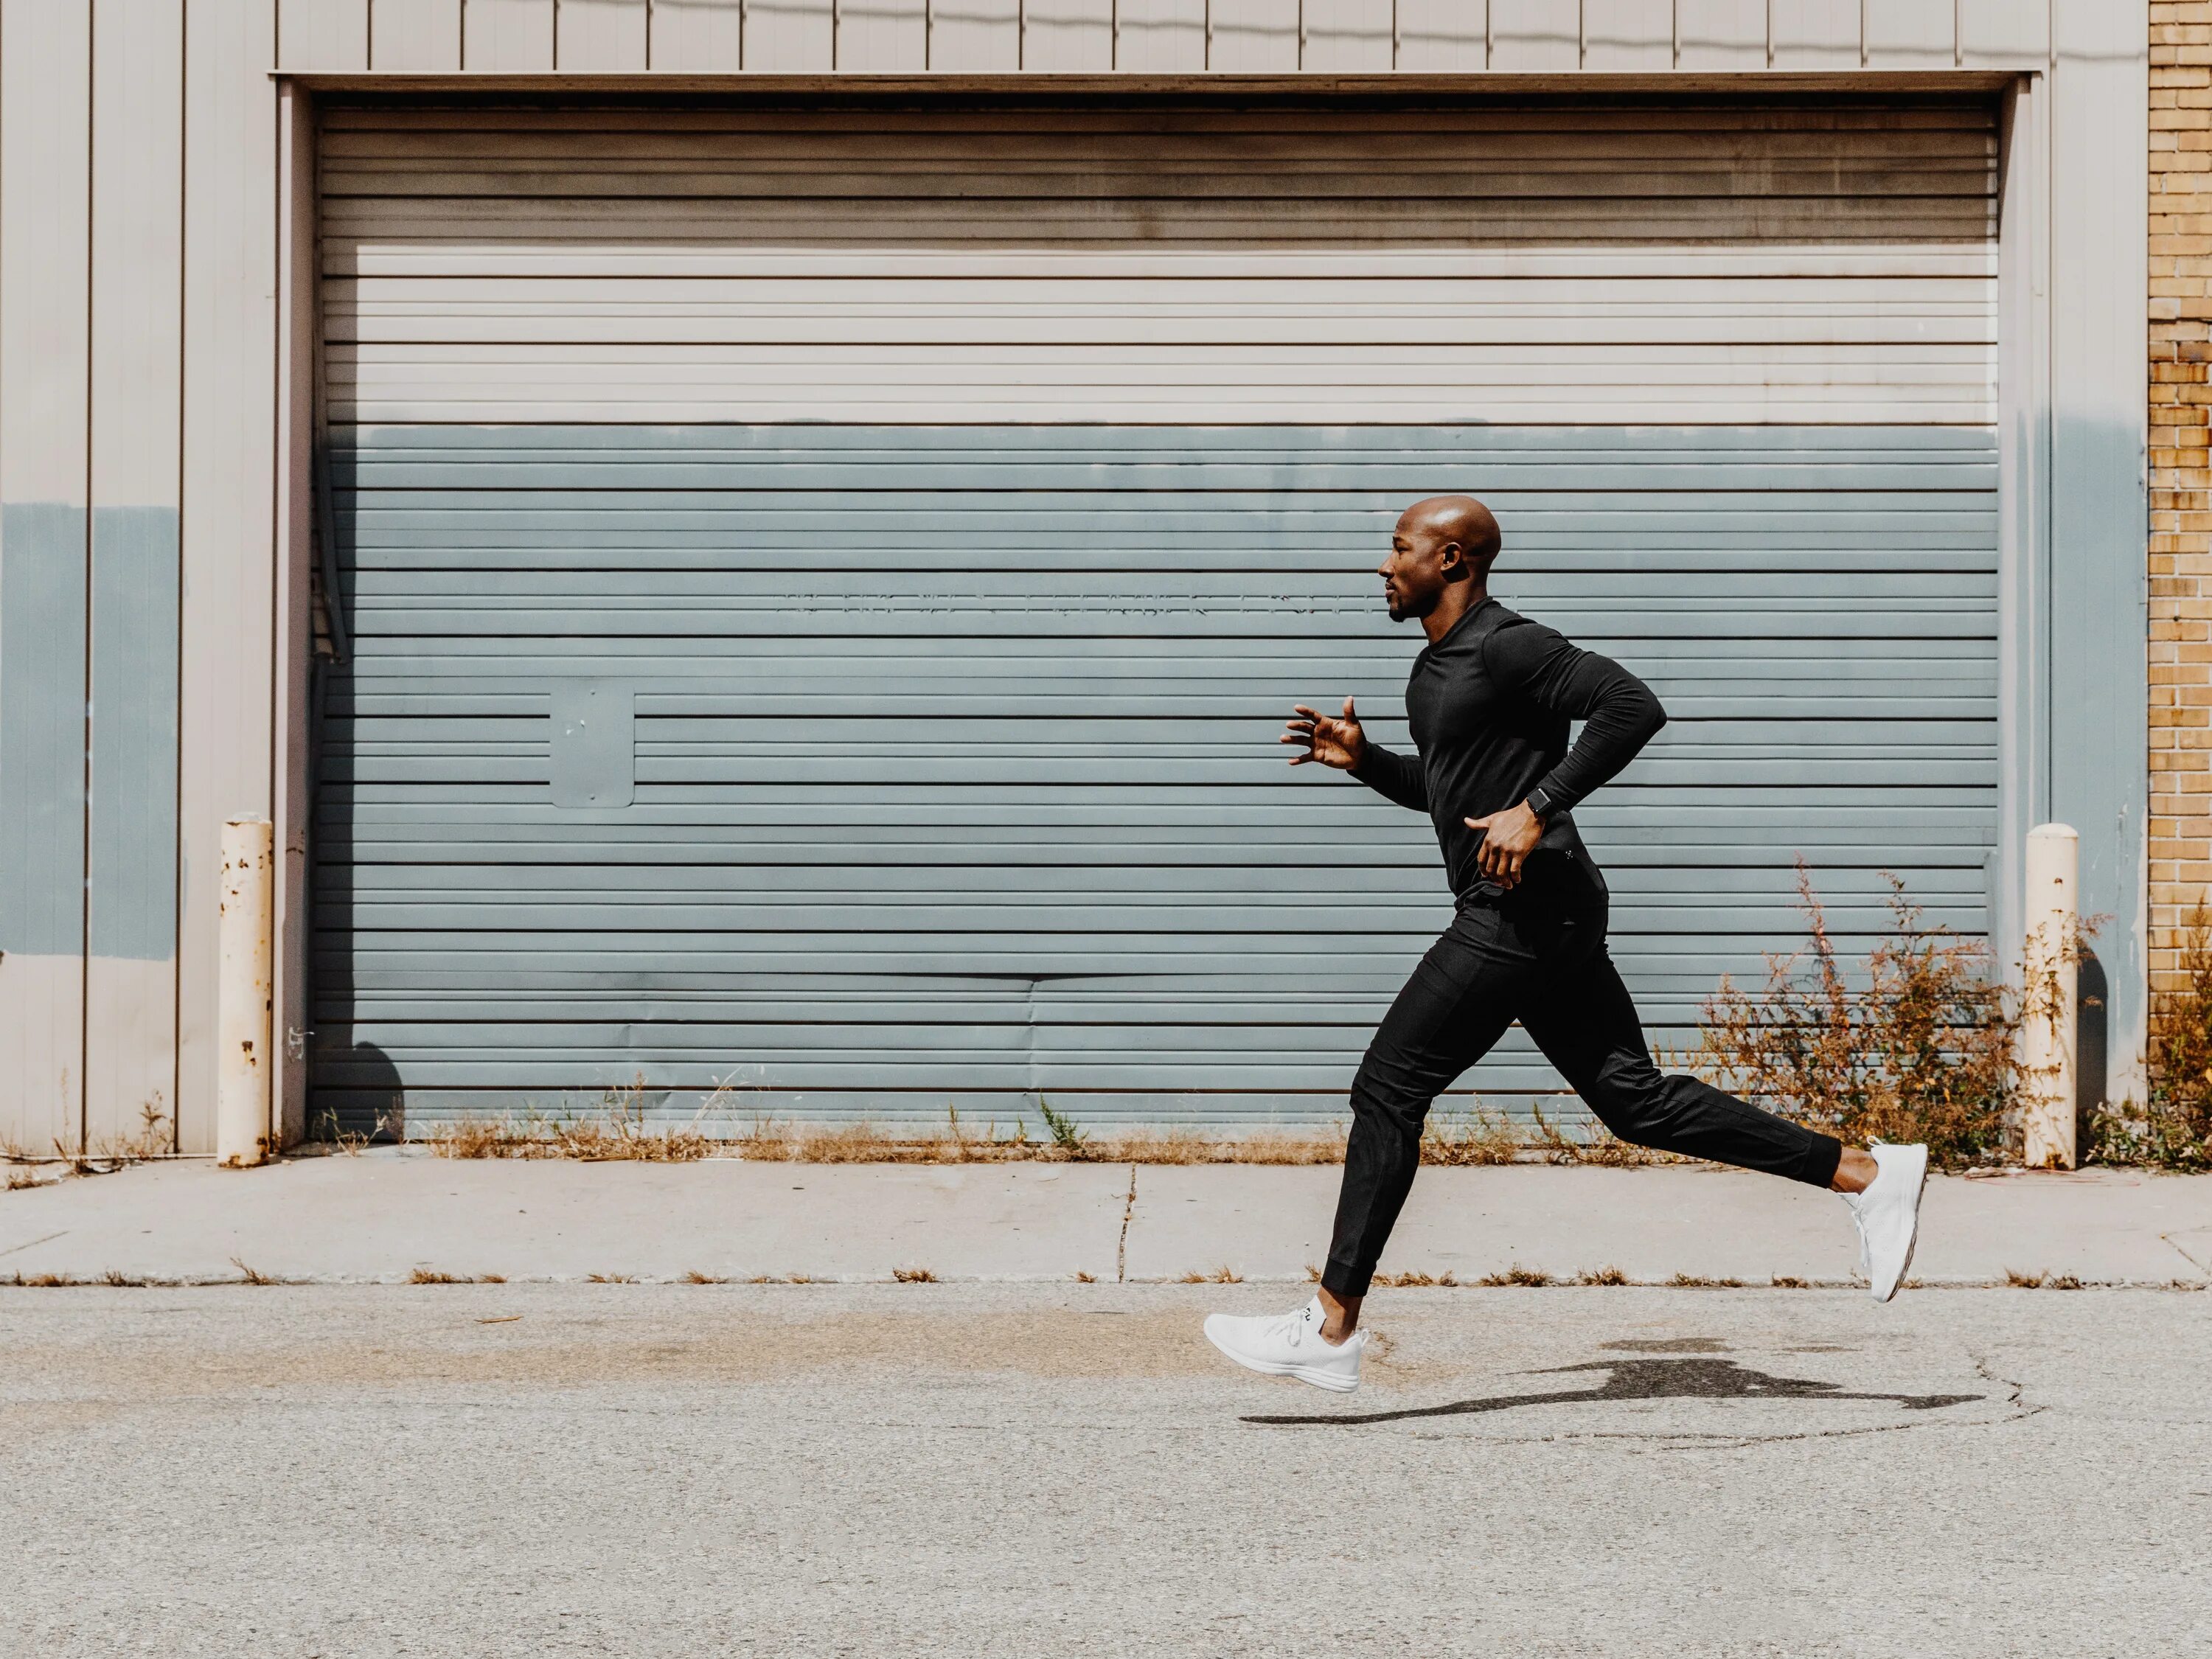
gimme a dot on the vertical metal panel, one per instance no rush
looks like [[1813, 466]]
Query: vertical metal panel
[[1160, 37], [1722, 35], [1438, 37], [228, 490], [299, 320], [2024, 501], [882, 37], [2002, 33], [1535, 35], [1628, 35], [2099, 188], [1815, 34], [45, 88], [510, 37], [599, 37], [697, 37], [975, 37], [1349, 37], [1067, 37], [417, 36], [137, 229], [326, 35], [1911, 33], [1255, 37], [790, 37]]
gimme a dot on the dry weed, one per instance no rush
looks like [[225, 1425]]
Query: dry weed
[[914, 1275], [249, 1275], [1601, 1276], [1086, 1279], [1789, 1282], [1923, 1053], [1474, 1136], [1517, 1274], [1699, 1282], [695, 1277], [2174, 1129], [431, 1276]]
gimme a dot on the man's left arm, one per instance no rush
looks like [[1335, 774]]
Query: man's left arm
[[1619, 715]]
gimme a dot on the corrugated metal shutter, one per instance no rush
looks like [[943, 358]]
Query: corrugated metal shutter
[[825, 579]]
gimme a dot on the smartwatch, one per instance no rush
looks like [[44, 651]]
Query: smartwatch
[[1542, 804]]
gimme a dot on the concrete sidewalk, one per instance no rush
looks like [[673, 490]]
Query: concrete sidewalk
[[389, 1213]]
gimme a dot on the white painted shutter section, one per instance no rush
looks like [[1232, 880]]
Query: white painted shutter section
[[956, 496]]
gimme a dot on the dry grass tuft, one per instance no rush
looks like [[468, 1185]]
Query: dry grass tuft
[[1086, 1279], [1474, 1136], [1601, 1276], [1517, 1274], [248, 1275], [1222, 1275], [1790, 1282], [432, 1276], [610, 1278], [1699, 1282], [695, 1277], [914, 1275]]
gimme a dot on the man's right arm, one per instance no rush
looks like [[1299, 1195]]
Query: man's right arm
[[1392, 776], [1340, 741]]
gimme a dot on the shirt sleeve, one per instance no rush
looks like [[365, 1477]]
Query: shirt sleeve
[[1619, 711], [1394, 776]]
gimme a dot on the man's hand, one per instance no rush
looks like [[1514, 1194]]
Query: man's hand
[[1333, 740], [1508, 838]]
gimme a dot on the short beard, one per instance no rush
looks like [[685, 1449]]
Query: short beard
[[1404, 611]]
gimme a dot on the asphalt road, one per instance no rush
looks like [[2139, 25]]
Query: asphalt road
[[1027, 1470]]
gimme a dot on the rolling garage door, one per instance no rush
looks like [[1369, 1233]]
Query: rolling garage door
[[825, 579]]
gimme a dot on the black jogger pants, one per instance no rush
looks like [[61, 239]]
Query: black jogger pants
[[1536, 954]]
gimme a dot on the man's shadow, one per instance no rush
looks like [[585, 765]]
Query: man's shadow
[[1647, 1379]]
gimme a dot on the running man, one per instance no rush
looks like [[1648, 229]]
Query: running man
[[1489, 702]]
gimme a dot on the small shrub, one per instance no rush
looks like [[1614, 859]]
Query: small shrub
[[1066, 1135], [2174, 1129], [1924, 1052]]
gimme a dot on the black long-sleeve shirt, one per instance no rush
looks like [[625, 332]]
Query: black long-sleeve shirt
[[1490, 704]]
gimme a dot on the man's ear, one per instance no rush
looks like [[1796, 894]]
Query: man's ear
[[1454, 554]]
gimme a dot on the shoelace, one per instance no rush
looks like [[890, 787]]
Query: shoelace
[[1292, 1326]]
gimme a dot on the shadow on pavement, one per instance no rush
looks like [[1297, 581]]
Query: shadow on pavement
[[1647, 1379]]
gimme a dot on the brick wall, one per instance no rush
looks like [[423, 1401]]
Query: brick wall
[[2180, 470]]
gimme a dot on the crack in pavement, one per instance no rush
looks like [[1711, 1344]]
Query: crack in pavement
[[1121, 1250]]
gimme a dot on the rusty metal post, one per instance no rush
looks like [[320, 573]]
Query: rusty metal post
[[243, 990], [2047, 1033]]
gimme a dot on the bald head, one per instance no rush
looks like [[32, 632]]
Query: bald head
[[1459, 519], [1440, 558]]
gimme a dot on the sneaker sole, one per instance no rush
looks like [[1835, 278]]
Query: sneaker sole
[[1331, 1381], [1913, 1238]]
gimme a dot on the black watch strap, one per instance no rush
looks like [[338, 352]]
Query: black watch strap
[[1542, 804]]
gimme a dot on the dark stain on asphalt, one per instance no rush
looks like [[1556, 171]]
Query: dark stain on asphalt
[[1669, 1345], [1645, 1379]]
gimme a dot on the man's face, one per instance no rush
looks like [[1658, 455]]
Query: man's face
[[1415, 573]]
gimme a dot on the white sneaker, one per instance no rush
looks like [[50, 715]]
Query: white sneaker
[[1888, 1214], [1289, 1344]]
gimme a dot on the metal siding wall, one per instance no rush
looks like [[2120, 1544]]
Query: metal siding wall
[[599, 37], [137, 232], [888, 856], [512, 37], [327, 35], [45, 92], [2100, 520], [1721, 36], [975, 37], [415, 37], [698, 37], [1254, 37], [1067, 37], [228, 490], [1537, 35]]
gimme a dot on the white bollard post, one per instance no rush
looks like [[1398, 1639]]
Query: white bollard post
[[243, 994], [2047, 1031]]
